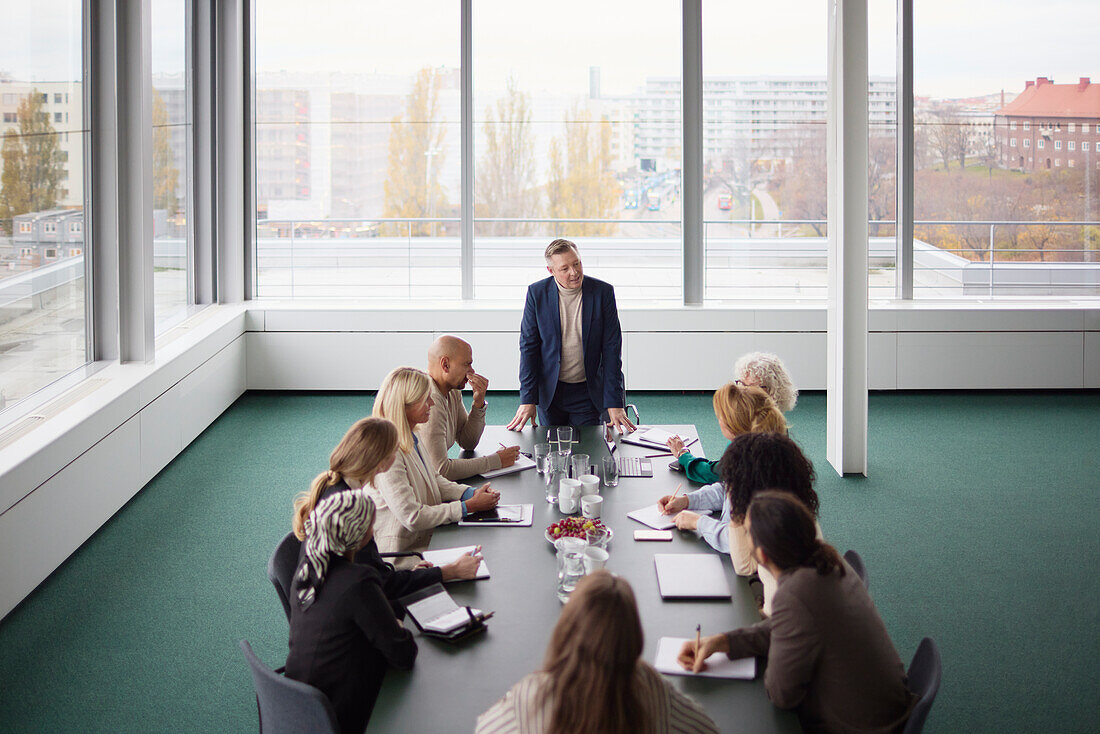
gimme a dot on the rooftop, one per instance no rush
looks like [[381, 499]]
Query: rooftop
[[1044, 98]]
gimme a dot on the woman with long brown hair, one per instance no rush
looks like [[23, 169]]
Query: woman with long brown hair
[[366, 450], [829, 654], [593, 680]]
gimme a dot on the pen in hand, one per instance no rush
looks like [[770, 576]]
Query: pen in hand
[[698, 641]]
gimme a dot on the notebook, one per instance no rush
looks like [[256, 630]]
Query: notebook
[[651, 437], [502, 516], [443, 556], [691, 576], [522, 462], [718, 665], [651, 516], [433, 610]]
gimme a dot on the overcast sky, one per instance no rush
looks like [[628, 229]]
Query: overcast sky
[[963, 47]]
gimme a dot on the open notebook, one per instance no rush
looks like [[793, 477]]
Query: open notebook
[[718, 665], [522, 463], [443, 556], [433, 610]]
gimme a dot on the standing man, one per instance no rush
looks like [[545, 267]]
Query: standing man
[[451, 367], [570, 348]]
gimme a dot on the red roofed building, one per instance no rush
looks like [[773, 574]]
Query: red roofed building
[[1050, 126]]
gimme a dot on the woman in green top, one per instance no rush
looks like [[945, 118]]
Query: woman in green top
[[739, 409]]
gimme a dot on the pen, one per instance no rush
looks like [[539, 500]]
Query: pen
[[678, 488], [692, 441], [655, 456], [698, 635]]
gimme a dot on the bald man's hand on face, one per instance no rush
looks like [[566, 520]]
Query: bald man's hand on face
[[480, 385]]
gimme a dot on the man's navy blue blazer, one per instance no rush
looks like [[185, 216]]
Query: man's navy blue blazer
[[540, 345]]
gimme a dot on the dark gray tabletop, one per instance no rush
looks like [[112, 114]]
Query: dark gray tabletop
[[452, 684]]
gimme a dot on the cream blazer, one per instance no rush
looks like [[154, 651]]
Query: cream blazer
[[412, 500]]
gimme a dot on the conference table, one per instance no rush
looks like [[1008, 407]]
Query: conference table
[[452, 683]]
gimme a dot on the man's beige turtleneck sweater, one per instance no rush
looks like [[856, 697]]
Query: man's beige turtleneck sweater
[[572, 349]]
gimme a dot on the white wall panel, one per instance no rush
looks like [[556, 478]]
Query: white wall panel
[[981, 360], [882, 361], [40, 532], [931, 317], [1092, 359], [330, 361]]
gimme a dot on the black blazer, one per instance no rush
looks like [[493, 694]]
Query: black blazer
[[395, 584], [345, 641]]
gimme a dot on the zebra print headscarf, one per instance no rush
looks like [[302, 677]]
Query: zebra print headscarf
[[336, 525]]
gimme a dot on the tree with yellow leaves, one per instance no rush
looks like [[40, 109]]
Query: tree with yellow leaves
[[581, 183]]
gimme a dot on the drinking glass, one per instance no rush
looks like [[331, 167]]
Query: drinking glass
[[581, 465], [610, 471], [542, 452], [598, 537], [565, 438]]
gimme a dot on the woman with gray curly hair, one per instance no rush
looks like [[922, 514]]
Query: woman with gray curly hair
[[766, 371]]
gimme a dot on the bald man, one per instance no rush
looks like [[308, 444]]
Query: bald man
[[451, 367]]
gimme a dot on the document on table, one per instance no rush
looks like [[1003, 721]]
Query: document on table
[[651, 516], [519, 516], [443, 556], [653, 437], [691, 576], [718, 665], [522, 462], [439, 613]]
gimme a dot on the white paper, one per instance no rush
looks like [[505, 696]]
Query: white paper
[[523, 513], [718, 665], [522, 462], [443, 556], [438, 612], [651, 516], [654, 437]]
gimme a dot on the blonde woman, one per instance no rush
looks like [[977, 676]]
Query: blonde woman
[[412, 497], [367, 449], [739, 410]]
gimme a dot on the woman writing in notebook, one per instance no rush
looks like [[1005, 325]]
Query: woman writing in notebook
[[739, 410], [593, 680], [829, 654], [412, 497], [368, 448], [343, 633]]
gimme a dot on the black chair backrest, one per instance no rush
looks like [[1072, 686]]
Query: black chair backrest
[[288, 706], [855, 561], [281, 567], [925, 672]]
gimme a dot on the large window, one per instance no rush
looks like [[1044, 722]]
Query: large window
[[577, 134], [993, 219], [171, 163], [357, 145], [42, 245], [575, 128]]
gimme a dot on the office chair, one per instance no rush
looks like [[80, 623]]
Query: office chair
[[287, 706], [925, 672], [284, 562], [856, 562]]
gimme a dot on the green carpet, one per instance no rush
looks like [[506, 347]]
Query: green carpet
[[978, 524]]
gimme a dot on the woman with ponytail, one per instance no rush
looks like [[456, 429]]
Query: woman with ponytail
[[829, 654], [343, 633], [740, 410], [367, 449], [593, 680]]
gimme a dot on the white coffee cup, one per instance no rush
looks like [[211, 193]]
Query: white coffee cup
[[590, 484], [592, 506], [595, 559], [569, 496]]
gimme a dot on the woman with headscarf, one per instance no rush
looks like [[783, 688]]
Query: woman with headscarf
[[343, 633], [366, 450]]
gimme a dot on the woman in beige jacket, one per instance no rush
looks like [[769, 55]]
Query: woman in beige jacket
[[412, 498]]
